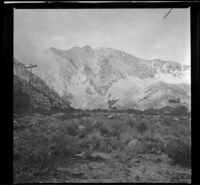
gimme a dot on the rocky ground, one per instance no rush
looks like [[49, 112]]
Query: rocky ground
[[143, 168], [116, 165]]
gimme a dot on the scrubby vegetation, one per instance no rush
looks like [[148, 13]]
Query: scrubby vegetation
[[38, 146], [45, 100], [180, 152]]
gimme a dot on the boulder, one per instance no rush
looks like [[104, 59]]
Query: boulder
[[101, 155], [81, 127], [82, 154], [135, 146], [111, 116]]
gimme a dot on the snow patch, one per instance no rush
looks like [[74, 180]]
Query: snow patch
[[185, 77]]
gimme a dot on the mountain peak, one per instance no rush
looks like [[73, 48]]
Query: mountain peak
[[52, 48], [88, 75], [86, 47]]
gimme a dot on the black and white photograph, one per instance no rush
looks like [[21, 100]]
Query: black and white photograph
[[102, 95]]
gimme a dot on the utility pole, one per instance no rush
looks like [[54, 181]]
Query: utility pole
[[30, 78]]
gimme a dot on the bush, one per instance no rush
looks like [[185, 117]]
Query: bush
[[135, 146], [110, 143], [142, 126], [116, 127], [36, 149], [166, 121], [71, 127], [152, 147], [92, 141], [180, 110], [87, 124], [104, 129], [97, 141], [130, 122], [180, 152]]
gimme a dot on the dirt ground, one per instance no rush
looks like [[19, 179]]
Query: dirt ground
[[115, 166], [143, 168]]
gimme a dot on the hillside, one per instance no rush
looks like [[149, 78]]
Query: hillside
[[91, 78], [44, 99]]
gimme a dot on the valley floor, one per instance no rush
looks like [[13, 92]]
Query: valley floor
[[102, 147], [147, 168]]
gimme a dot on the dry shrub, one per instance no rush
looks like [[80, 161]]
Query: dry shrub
[[179, 151], [130, 122], [142, 126], [152, 147], [116, 128], [37, 148], [103, 127], [71, 127], [135, 146], [110, 143], [97, 141], [167, 121], [92, 141]]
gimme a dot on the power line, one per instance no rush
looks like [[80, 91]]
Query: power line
[[167, 13]]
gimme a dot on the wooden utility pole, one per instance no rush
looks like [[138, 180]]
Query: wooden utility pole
[[30, 78]]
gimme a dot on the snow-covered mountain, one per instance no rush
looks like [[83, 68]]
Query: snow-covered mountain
[[92, 78]]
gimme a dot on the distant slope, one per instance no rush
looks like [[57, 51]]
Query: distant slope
[[161, 94], [44, 99], [92, 78]]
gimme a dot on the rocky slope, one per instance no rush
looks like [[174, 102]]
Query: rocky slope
[[91, 78], [44, 99]]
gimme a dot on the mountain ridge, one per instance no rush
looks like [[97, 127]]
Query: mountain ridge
[[90, 78]]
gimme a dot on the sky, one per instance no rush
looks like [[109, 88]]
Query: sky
[[144, 33]]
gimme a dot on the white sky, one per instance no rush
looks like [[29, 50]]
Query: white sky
[[141, 32]]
